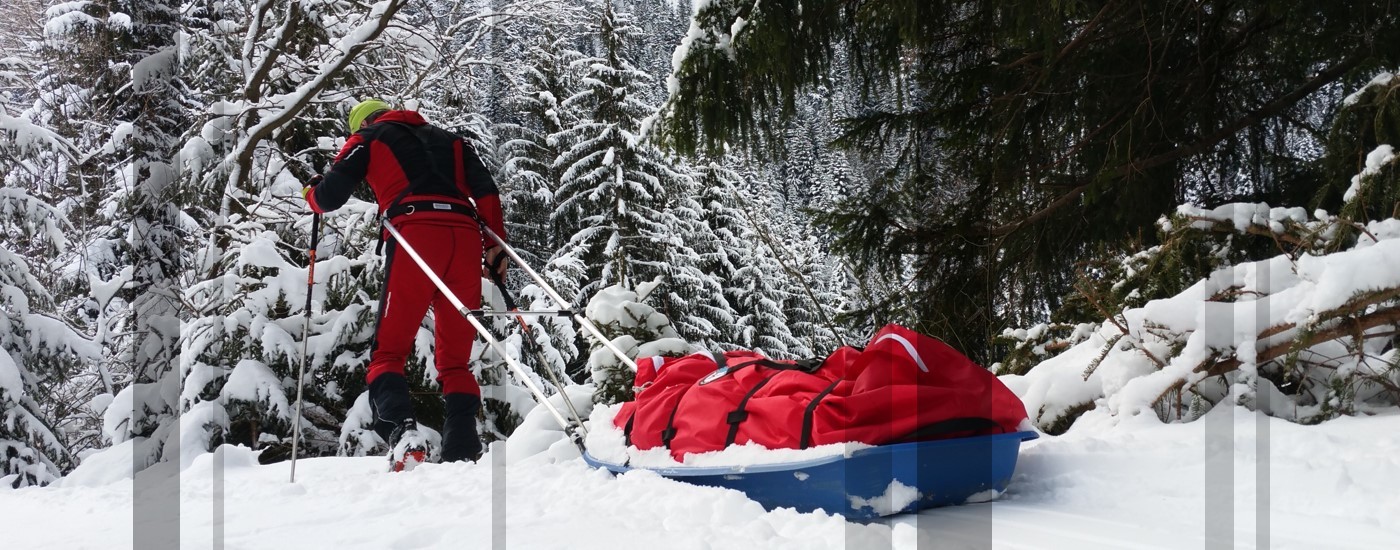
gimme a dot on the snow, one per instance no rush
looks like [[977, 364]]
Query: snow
[[102, 468], [117, 417], [895, 497], [1375, 160], [673, 347], [119, 21], [1243, 215], [10, 382], [154, 68], [67, 18], [255, 382], [103, 291], [1127, 365], [99, 403], [618, 305], [1381, 79], [1104, 484], [539, 432]]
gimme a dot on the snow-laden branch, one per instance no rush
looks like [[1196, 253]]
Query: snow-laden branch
[[26, 135], [1250, 321], [349, 47], [253, 87]]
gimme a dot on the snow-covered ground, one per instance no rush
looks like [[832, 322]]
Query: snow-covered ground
[[1108, 483]]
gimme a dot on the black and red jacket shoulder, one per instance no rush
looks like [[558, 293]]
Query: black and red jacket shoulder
[[400, 148]]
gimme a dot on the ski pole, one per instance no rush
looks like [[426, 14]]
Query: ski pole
[[534, 345], [305, 335], [485, 334], [548, 290]]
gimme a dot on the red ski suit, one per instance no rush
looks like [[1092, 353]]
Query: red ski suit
[[414, 166]]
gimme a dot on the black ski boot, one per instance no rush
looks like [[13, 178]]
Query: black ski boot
[[410, 447], [460, 440], [393, 421]]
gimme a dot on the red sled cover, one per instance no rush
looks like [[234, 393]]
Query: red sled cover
[[903, 386]]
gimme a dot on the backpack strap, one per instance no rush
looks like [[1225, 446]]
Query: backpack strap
[[740, 414], [627, 429], [949, 426], [416, 132], [801, 365]]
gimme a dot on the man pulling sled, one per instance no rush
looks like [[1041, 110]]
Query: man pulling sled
[[432, 188]]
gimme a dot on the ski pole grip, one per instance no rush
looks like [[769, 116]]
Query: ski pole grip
[[505, 292], [311, 259]]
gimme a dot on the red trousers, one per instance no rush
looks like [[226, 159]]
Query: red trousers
[[453, 252]]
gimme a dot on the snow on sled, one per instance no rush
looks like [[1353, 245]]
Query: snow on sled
[[903, 424]]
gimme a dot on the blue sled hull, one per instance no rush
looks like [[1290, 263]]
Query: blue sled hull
[[872, 482]]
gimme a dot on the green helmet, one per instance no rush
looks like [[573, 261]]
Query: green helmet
[[362, 111]]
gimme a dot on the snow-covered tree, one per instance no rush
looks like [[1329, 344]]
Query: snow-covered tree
[[40, 348], [751, 279], [110, 82], [818, 294], [786, 291], [622, 201], [635, 328], [529, 146]]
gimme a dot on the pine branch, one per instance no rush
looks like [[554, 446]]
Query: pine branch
[[1360, 324]]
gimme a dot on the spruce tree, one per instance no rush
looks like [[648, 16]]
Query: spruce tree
[[109, 84], [530, 143], [619, 198], [754, 281], [1024, 138], [41, 349]]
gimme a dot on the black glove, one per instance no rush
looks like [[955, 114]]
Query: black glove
[[306, 187], [496, 263]]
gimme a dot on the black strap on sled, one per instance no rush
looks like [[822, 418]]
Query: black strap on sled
[[627, 429], [670, 432], [808, 366], [737, 416], [810, 412], [951, 426]]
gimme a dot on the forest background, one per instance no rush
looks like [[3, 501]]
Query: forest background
[[776, 175]]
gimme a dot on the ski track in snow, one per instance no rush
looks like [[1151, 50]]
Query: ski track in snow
[[1108, 483]]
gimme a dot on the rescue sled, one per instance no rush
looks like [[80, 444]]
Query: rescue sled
[[935, 428], [872, 482]]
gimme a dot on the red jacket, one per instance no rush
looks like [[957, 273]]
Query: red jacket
[[400, 149]]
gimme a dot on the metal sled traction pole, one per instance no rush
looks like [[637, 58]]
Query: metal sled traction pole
[[575, 430], [549, 291]]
